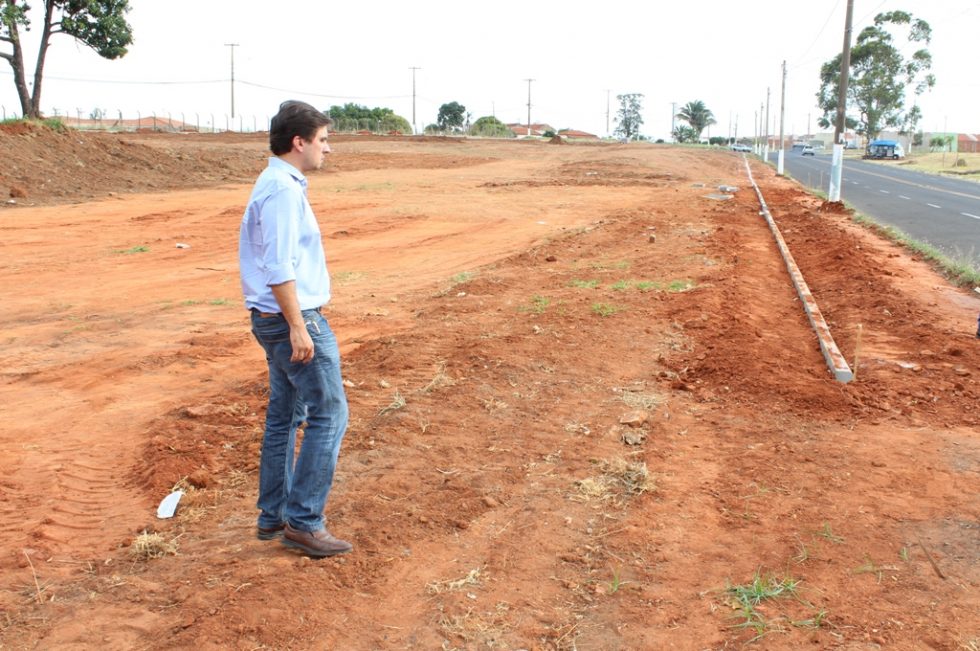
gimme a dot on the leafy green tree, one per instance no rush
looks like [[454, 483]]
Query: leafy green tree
[[352, 117], [941, 143], [685, 134], [98, 24], [697, 115], [490, 127], [628, 118], [451, 116], [879, 77]]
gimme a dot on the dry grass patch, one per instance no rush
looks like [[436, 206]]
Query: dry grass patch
[[472, 578], [619, 476], [152, 545]]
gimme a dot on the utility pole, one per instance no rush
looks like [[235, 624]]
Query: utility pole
[[761, 134], [529, 105], [845, 70], [415, 128], [607, 113], [782, 117], [755, 128], [765, 148], [673, 114], [837, 161], [232, 46]]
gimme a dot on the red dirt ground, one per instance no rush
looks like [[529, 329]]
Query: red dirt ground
[[503, 310]]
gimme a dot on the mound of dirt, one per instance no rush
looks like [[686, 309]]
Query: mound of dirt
[[44, 165]]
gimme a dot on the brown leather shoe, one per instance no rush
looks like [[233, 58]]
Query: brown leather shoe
[[314, 543], [270, 533]]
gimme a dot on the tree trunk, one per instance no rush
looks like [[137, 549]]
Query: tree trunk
[[42, 51], [16, 61]]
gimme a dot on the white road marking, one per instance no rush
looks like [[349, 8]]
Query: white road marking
[[966, 214], [884, 191], [932, 205], [902, 196]]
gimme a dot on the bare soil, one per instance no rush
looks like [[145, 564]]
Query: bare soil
[[588, 411]]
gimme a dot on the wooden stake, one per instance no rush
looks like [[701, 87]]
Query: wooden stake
[[935, 567]]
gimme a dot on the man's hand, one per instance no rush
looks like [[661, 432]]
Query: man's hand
[[299, 338], [302, 345]]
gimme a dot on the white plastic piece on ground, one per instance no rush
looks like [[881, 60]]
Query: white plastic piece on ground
[[728, 188], [181, 245], [169, 504]]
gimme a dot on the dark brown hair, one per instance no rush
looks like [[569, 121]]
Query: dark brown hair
[[294, 118]]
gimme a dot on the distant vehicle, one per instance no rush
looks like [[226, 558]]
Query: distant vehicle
[[808, 150], [885, 149], [741, 147]]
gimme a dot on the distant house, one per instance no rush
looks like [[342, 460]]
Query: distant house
[[521, 130], [968, 142], [573, 134]]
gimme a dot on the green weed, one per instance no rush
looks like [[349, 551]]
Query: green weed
[[604, 309], [132, 250], [615, 584], [646, 285], [219, 301], [745, 599], [462, 277], [584, 284], [621, 285], [869, 567], [827, 533], [538, 304], [680, 285]]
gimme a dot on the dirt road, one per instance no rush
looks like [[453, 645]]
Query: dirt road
[[587, 413]]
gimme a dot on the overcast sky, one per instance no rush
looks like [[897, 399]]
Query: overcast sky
[[721, 52]]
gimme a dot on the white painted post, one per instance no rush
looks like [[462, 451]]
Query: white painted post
[[836, 172]]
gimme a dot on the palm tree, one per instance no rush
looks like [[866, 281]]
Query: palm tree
[[698, 116]]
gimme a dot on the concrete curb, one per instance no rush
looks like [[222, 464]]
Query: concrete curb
[[835, 361]]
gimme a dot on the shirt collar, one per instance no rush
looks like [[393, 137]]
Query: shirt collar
[[275, 161]]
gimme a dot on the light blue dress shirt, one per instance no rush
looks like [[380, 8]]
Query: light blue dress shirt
[[280, 241]]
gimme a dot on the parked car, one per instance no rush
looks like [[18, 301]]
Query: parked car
[[808, 151], [741, 147]]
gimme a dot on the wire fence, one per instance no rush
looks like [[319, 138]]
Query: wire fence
[[176, 122]]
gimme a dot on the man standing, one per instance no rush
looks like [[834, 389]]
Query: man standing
[[285, 283]]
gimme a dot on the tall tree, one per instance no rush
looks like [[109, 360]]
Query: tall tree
[[628, 118], [490, 127], [879, 76], [98, 24], [698, 116], [451, 116]]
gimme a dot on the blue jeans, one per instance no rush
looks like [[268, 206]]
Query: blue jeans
[[294, 488]]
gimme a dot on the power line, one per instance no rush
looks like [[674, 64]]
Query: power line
[[819, 34]]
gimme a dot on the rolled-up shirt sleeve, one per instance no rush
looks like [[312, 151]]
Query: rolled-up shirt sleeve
[[278, 220]]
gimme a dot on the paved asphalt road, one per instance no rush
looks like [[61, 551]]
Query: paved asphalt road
[[944, 212]]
